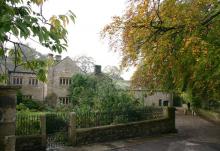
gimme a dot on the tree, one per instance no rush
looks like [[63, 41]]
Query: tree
[[19, 21], [174, 44], [91, 92], [113, 72], [82, 89], [85, 63]]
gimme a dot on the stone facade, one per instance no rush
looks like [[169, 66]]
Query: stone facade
[[154, 98], [59, 77], [159, 99], [56, 88], [31, 88]]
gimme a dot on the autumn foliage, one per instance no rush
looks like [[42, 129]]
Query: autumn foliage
[[174, 44]]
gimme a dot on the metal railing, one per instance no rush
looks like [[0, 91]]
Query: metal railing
[[95, 119], [27, 124]]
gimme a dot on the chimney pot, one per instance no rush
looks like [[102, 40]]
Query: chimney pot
[[50, 56], [98, 69], [58, 57]]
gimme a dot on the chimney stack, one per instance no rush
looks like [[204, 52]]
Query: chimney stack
[[58, 58], [50, 56], [98, 69]]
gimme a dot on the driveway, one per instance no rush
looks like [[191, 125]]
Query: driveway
[[194, 134]]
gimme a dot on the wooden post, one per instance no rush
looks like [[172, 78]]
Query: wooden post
[[43, 130], [72, 129]]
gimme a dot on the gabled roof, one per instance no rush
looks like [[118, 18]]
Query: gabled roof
[[58, 62], [63, 60]]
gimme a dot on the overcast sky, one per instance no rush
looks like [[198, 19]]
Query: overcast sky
[[84, 38]]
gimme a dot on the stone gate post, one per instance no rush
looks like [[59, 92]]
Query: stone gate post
[[43, 130], [72, 129], [7, 117]]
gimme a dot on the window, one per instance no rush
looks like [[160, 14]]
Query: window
[[160, 102], [64, 100], [33, 81], [17, 80], [65, 81], [26, 97], [165, 103]]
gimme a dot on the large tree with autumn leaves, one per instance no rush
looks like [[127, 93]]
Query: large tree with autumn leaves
[[175, 45], [22, 20]]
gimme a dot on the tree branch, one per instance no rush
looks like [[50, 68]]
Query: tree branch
[[210, 18]]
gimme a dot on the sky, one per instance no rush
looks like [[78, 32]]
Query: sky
[[84, 35]]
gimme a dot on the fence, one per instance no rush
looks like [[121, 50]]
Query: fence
[[27, 124], [95, 119], [58, 129], [30, 130], [161, 123], [56, 122]]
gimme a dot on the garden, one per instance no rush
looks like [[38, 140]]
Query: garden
[[96, 102]]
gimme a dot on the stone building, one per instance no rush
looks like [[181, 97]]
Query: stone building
[[59, 79], [55, 90], [146, 96], [31, 87], [154, 98]]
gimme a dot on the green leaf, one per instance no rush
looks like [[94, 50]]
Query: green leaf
[[14, 30], [72, 16]]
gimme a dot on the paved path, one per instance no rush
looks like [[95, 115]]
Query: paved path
[[194, 134]]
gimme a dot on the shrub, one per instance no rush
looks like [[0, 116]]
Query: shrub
[[56, 122], [22, 107], [19, 97], [99, 93], [31, 105]]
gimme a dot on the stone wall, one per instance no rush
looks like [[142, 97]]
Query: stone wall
[[209, 115], [121, 131], [29, 143]]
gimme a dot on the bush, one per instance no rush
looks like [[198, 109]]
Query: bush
[[56, 122], [99, 93], [28, 104], [31, 105], [22, 107], [19, 97]]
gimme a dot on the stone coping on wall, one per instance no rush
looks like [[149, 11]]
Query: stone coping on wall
[[28, 136], [80, 130], [13, 87]]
